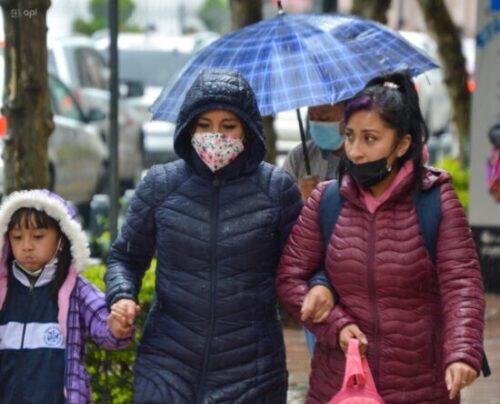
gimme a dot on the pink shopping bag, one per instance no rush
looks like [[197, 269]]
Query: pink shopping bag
[[358, 386]]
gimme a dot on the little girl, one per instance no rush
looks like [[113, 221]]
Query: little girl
[[46, 308]]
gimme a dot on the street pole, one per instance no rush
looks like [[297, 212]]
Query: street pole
[[113, 119], [329, 6]]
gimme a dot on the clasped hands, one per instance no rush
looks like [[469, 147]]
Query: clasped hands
[[121, 319]]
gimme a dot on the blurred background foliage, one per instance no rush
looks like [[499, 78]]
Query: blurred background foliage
[[460, 178], [99, 9], [111, 372]]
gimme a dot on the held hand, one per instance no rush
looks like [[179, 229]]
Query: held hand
[[317, 304], [457, 376], [118, 327], [128, 309], [352, 331], [307, 185]]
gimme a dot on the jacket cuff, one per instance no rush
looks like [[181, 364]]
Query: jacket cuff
[[472, 360], [113, 299], [320, 278]]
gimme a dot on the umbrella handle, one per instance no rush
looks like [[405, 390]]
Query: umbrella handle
[[304, 144]]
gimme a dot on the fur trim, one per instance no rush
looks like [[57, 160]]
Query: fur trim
[[56, 209]]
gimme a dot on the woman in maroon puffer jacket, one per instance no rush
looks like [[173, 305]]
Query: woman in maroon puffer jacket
[[420, 324]]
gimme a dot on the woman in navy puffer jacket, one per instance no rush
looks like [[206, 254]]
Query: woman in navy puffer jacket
[[420, 323], [218, 223]]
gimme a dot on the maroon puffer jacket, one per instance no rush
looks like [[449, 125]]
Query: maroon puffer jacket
[[418, 318]]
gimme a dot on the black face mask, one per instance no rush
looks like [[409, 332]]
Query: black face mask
[[369, 174]]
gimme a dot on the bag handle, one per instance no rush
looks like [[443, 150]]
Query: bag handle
[[354, 372], [357, 370]]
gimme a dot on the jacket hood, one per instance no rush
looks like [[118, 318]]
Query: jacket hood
[[58, 209], [221, 89], [432, 176]]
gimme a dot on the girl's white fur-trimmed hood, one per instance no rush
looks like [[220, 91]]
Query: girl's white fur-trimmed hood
[[58, 209]]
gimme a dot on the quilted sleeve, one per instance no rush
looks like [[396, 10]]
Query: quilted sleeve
[[132, 251], [460, 284], [303, 254]]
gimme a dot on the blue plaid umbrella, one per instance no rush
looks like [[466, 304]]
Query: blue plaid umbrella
[[297, 60]]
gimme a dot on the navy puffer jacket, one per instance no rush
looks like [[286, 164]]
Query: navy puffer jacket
[[212, 335]]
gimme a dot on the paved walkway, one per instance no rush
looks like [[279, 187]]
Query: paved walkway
[[483, 391]]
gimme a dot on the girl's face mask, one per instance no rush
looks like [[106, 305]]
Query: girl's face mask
[[326, 135], [369, 174], [216, 150]]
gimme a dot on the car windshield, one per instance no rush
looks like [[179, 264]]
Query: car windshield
[[153, 68]]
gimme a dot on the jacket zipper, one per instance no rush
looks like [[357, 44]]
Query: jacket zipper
[[25, 323], [373, 298], [31, 287], [214, 217]]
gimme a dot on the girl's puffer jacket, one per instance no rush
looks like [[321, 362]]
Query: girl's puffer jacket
[[418, 318]]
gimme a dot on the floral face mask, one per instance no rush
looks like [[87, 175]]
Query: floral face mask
[[216, 150]]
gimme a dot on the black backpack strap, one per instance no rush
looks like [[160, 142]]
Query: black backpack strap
[[485, 366], [428, 205], [329, 210]]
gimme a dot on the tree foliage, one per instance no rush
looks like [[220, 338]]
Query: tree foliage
[[215, 14], [111, 372], [100, 16]]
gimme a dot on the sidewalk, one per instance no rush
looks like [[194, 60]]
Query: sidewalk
[[483, 391]]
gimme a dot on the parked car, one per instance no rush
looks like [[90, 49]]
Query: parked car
[[77, 153], [77, 63], [155, 60]]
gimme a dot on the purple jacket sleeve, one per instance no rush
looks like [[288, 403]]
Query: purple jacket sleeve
[[94, 316]]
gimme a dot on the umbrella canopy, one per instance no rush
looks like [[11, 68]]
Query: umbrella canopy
[[297, 60]]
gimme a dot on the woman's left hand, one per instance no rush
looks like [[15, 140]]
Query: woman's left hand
[[317, 304], [457, 376]]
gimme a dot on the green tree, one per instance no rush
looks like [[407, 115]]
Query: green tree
[[215, 14], [26, 95], [100, 17]]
